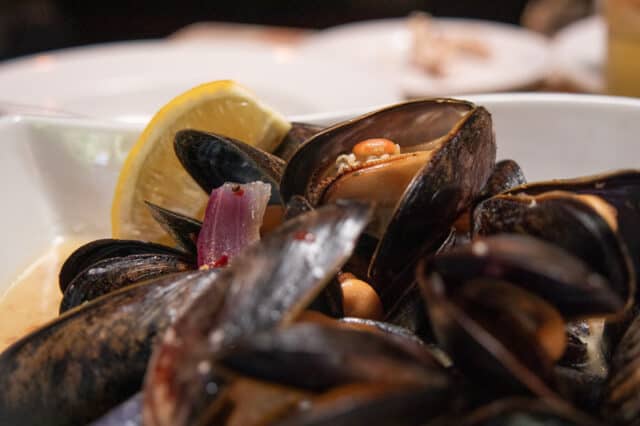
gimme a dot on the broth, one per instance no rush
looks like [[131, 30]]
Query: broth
[[34, 297]]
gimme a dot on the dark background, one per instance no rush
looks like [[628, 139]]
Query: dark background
[[28, 26]]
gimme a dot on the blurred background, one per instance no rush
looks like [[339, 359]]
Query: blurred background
[[28, 26], [301, 57]]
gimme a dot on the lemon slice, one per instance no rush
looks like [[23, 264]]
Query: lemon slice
[[152, 170]]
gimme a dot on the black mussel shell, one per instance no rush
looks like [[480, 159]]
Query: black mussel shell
[[213, 159], [319, 357], [298, 134], [460, 138], [183, 229], [506, 175], [273, 281], [568, 221], [108, 248], [622, 394], [470, 323], [115, 273], [77, 367], [620, 189], [376, 405], [526, 412], [542, 268]]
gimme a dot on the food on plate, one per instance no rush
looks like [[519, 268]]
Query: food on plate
[[383, 270], [432, 51]]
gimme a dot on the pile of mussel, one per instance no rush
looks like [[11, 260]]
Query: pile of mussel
[[405, 278]]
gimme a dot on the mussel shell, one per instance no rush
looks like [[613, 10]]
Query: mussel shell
[[213, 159], [409, 123], [298, 134], [318, 357], [546, 270], [376, 405], [409, 310], [506, 175], [115, 273], [77, 367], [568, 222], [621, 189], [526, 412], [183, 229], [390, 329], [440, 192], [98, 250], [273, 281], [480, 354], [622, 394]]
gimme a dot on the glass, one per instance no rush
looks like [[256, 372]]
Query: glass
[[623, 47]]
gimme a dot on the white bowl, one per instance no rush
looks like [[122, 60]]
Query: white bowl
[[57, 175]]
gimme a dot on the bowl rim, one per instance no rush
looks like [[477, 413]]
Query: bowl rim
[[530, 98], [526, 98]]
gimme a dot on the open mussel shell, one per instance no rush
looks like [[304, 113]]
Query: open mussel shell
[[99, 250], [115, 273], [318, 357], [526, 412], [77, 367], [496, 333], [296, 136], [622, 394], [375, 405], [269, 285], [544, 269], [570, 221], [506, 175], [183, 229], [449, 152], [213, 159], [619, 190]]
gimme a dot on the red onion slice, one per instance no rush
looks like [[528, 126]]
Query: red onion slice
[[232, 221]]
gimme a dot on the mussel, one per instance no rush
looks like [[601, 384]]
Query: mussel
[[583, 225], [270, 285], [422, 162], [86, 361], [497, 307]]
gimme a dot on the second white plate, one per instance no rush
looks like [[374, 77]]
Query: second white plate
[[518, 58], [579, 52]]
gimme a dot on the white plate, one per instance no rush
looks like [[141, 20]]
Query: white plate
[[57, 175], [578, 53], [131, 81], [518, 58]]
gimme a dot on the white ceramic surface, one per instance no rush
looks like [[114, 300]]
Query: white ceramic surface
[[130, 81], [518, 58], [57, 175], [578, 53]]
